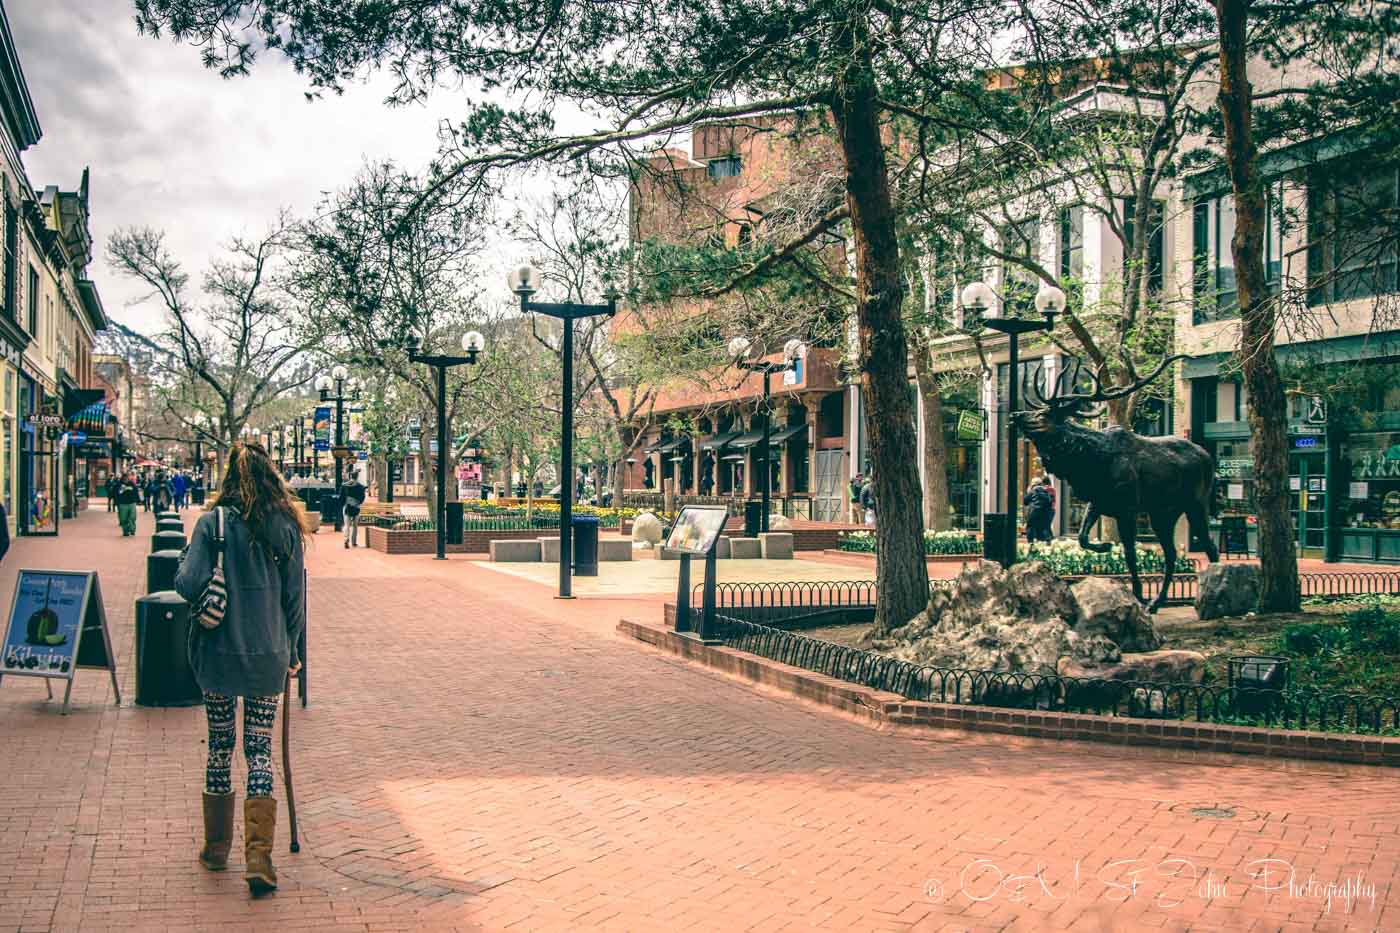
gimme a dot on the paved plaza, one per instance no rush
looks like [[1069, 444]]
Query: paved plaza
[[480, 756]]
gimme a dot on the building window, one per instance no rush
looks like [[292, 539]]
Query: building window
[[1072, 242], [1353, 251], [1216, 295], [1155, 250], [32, 301], [727, 167]]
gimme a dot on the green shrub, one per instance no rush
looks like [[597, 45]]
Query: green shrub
[[1068, 559], [1373, 629], [1309, 639]]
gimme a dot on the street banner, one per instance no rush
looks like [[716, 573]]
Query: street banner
[[355, 430], [323, 428], [50, 614]]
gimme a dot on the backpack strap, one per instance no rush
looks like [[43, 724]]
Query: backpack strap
[[219, 536]]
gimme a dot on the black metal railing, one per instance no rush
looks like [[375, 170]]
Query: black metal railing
[[1289, 709], [777, 601]]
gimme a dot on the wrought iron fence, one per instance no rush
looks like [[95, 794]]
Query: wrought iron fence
[[1288, 709], [807, 604]]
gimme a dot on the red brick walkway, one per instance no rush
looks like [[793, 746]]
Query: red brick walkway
[[480, 756]]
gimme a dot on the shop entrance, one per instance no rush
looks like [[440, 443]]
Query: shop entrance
[[1307, 485]]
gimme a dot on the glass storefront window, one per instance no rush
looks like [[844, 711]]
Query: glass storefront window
[[1371, 465]]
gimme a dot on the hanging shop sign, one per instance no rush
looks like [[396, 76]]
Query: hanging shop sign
[[1302, 443], [47, 420], [970, 426], [57, 625]]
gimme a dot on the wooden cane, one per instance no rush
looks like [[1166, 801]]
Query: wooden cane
[[287, 761]]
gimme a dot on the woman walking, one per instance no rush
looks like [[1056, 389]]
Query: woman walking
[[128, 496], [251, 652]]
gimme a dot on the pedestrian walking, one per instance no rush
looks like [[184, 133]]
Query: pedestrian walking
[[857, 513], [355, 493], [867, 501], [181, 485], [1040, 510], [251, 652], [128, 496], [111, 489], [150, 490]]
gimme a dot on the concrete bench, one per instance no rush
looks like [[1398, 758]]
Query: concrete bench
[[614, 549], [549, 550], [776, 545], [745, 548], [722, 551], [516, 551]]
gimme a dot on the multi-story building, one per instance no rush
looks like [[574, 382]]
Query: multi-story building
[[49, 312], [701, 434], [1338, 339]]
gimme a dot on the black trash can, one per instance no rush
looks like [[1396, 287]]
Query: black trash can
[[163, 675], [170, 524], [167, 541], [455, 515], [329, 507], [753, 518], [161, 567], [998, 538], [197, 496], [586, 545]]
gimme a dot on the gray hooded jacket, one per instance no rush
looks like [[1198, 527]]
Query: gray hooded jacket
[[249, 654]]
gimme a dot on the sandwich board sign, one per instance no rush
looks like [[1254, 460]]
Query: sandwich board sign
[[57, 625]]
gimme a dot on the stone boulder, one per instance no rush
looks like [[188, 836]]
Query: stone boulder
[[993, 620], [646, 530], [1108, 608], [1227, 589], [1165, 666]]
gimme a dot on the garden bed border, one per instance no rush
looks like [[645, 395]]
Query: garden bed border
[[891, 710]]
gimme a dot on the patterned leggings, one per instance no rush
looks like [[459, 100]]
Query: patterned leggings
[[259, 716]]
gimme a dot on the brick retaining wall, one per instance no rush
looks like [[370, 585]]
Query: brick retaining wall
[[892, 710]]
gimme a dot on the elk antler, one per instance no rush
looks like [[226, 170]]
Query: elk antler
[[1100, 394]]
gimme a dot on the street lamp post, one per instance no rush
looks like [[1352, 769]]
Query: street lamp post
[[472, 344], [793, 351], [524, 282], [1049, 301], [337, 381]]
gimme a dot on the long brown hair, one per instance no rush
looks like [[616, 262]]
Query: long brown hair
[[253, 486]]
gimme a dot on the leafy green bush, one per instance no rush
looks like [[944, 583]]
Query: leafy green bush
[[1309, 639], [1372, 629]]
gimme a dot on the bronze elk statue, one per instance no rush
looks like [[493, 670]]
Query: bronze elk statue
[[1118, 472]]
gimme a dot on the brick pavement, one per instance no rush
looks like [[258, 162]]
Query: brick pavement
[[478, 755]]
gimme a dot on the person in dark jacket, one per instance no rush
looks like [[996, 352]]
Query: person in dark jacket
[[251, 653], [1040, 510], [867, 500], [111, 489], [355, 493], [128, 496]]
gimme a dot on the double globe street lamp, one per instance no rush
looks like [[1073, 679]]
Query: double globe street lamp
[[524, 281], [472, 345], [741, 351], [332, 389], [999, 530]]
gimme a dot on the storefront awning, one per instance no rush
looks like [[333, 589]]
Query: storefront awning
[[666, 447], [91, 419], [790, 433], [719, 441]]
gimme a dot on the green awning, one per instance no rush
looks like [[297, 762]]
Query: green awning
[[718, 441], [1362, 348]]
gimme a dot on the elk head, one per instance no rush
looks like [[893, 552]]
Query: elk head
[[1044, 414]]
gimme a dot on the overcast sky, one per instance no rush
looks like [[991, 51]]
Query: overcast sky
[[174, 146]]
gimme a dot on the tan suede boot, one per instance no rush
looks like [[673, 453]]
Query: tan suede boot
[[259, 829], [218, 830]]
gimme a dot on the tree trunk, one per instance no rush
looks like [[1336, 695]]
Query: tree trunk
[[900, 573], [935, 451], [627, 437], [1268, 409]]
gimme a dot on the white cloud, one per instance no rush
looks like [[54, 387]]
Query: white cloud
[[174, 146]]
